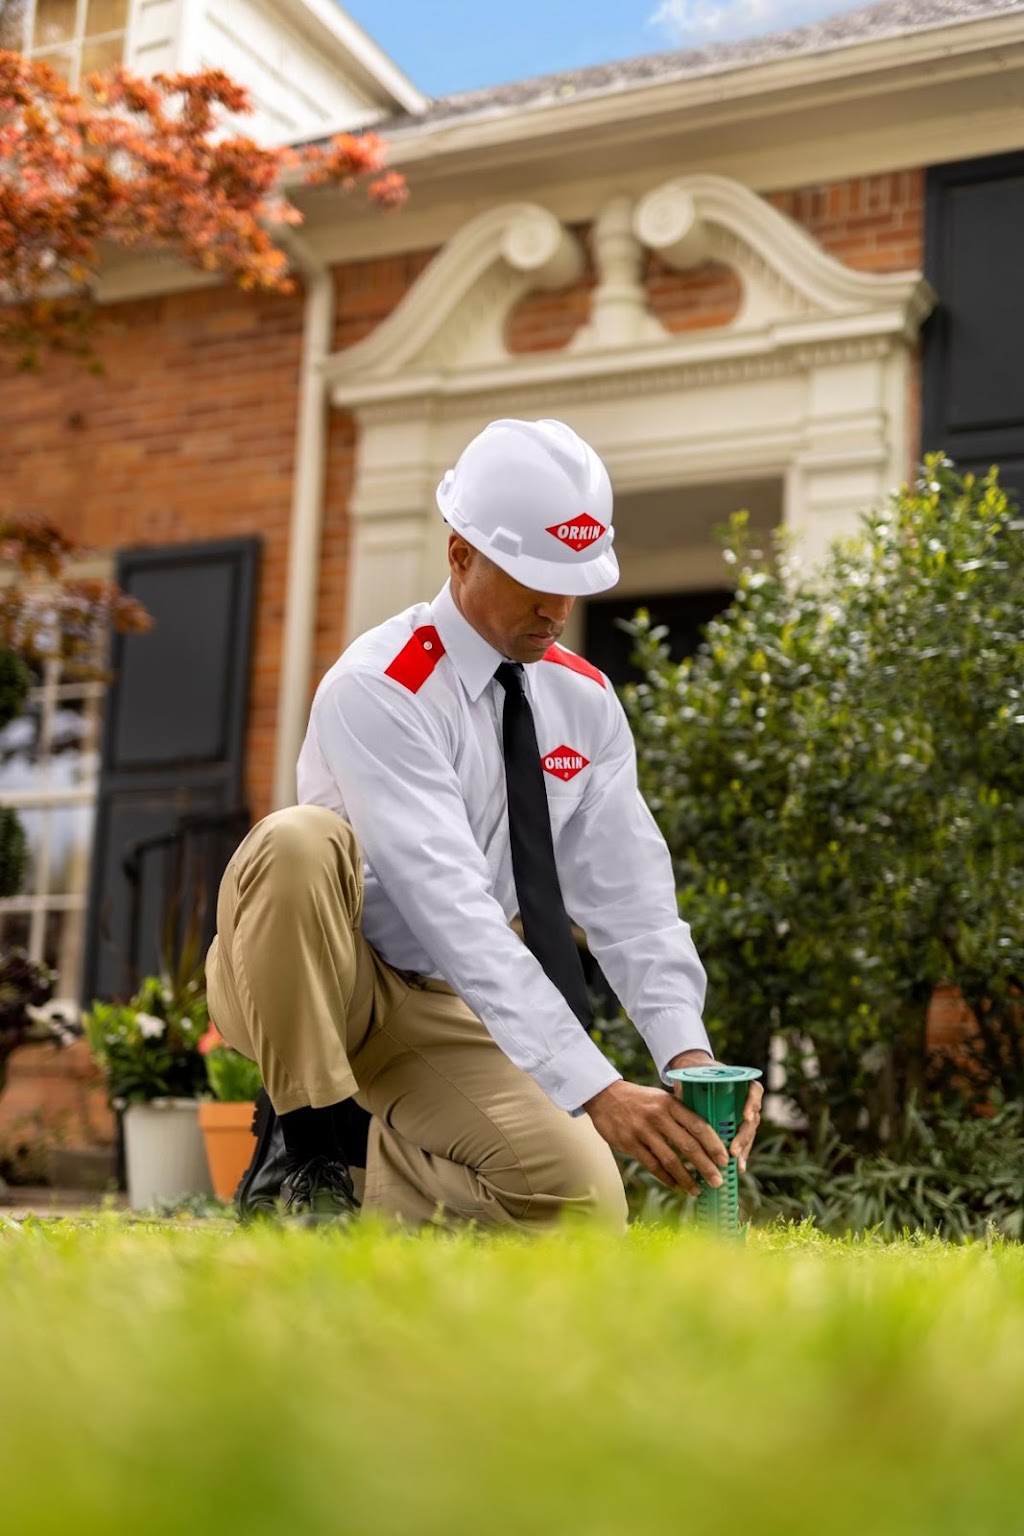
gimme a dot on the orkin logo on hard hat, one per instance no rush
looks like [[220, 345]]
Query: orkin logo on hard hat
[[564, 763], [583, 530], [537, 501]]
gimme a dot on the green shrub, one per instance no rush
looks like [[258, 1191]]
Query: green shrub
[[944, 1173], [232, 1077], [13, 852], [15, 681], [839, 773]]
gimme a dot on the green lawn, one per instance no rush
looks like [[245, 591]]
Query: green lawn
[[189, 1377]]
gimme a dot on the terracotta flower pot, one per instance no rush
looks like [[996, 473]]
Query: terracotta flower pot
[[227, 1130]]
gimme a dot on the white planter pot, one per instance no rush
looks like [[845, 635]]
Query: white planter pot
[[164, 1152]]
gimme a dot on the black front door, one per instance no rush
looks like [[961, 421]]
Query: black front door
[[684, 615], [172, 755]]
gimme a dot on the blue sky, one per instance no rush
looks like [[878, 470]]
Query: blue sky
[[457, 45]]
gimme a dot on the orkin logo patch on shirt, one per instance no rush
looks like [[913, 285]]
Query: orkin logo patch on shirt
[[583, 531], [564, 763]]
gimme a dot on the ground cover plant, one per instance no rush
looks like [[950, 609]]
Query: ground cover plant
[[192, 1377], [945, 1171]]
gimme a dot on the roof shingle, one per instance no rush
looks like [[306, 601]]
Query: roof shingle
[[885, 19]]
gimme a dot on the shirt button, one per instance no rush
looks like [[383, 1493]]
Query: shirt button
[[428, 645]]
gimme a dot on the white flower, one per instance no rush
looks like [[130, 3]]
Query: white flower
[[150, 1027]]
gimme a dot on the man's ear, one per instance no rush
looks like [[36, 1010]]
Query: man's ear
[[460, 555]]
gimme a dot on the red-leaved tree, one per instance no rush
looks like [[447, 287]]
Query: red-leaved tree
[[136, 164], [132, 164], [142, 164]]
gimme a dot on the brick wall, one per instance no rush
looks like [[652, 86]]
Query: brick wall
[[367, 292], [873, 223], [546, 322], [189, 434], [708, 296], [52, 1098]]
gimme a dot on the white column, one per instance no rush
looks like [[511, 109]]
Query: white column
[[392, 555], [853, 449]]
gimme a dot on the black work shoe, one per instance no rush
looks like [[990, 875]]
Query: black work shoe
[[320, 1191], [260, 1185], [259, 1190]]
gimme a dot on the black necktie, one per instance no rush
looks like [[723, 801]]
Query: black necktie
[[546, 926]]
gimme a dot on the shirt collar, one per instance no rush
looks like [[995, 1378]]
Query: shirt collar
[[469, 653]]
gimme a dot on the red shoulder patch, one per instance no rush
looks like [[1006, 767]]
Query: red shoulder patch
[[564, 658], [417, 658]]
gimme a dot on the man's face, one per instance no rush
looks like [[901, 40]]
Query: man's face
[[519, 623]]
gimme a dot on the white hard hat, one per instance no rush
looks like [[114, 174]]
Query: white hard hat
[[535, 498]]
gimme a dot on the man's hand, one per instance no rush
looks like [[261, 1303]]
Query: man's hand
[[744, 1138], [656, 1129]]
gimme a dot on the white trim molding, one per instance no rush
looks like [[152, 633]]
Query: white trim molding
[[808, 384], [454, 313]]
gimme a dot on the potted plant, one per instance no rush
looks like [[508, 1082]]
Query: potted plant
[[24, 986], [148, 1049], [226, 1120]]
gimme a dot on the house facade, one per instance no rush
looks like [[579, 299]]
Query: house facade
[[765, 275]]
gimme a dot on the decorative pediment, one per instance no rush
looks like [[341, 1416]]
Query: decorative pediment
[[446, 337], [454, 313], [785, 272]]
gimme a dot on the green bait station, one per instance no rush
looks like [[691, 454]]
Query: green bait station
[[718, 1093]]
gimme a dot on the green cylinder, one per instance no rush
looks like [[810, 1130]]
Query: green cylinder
[[718, 1094]]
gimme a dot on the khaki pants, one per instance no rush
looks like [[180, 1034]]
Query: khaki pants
[[458, 1132]]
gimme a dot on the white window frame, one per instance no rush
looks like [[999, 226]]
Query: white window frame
[[74, 45], [49, 694]]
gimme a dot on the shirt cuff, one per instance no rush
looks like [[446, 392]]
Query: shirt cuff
[[573, 1077], [673, 1031]]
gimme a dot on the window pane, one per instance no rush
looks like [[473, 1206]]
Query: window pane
[[34, 823], [74, 748], [62, 60], [105, 16], [102, 58], [54, 23], [62, 835], [12, 25], [62, 948], [15, 929], [19, 752], [70, 842]]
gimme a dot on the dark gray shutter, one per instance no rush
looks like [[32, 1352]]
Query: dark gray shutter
[[173, 745], [973, 381]]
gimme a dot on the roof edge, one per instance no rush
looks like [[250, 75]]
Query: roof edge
[[372, 66], [412, 140]]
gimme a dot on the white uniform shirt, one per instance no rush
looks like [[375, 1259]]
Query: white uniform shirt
[[404, 742]]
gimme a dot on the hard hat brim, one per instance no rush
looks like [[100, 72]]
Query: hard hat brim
[[555, 578]]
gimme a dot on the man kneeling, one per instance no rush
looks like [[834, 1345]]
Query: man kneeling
[[461, 767]]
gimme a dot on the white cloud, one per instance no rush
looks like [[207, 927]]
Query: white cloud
[[693, 23]]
